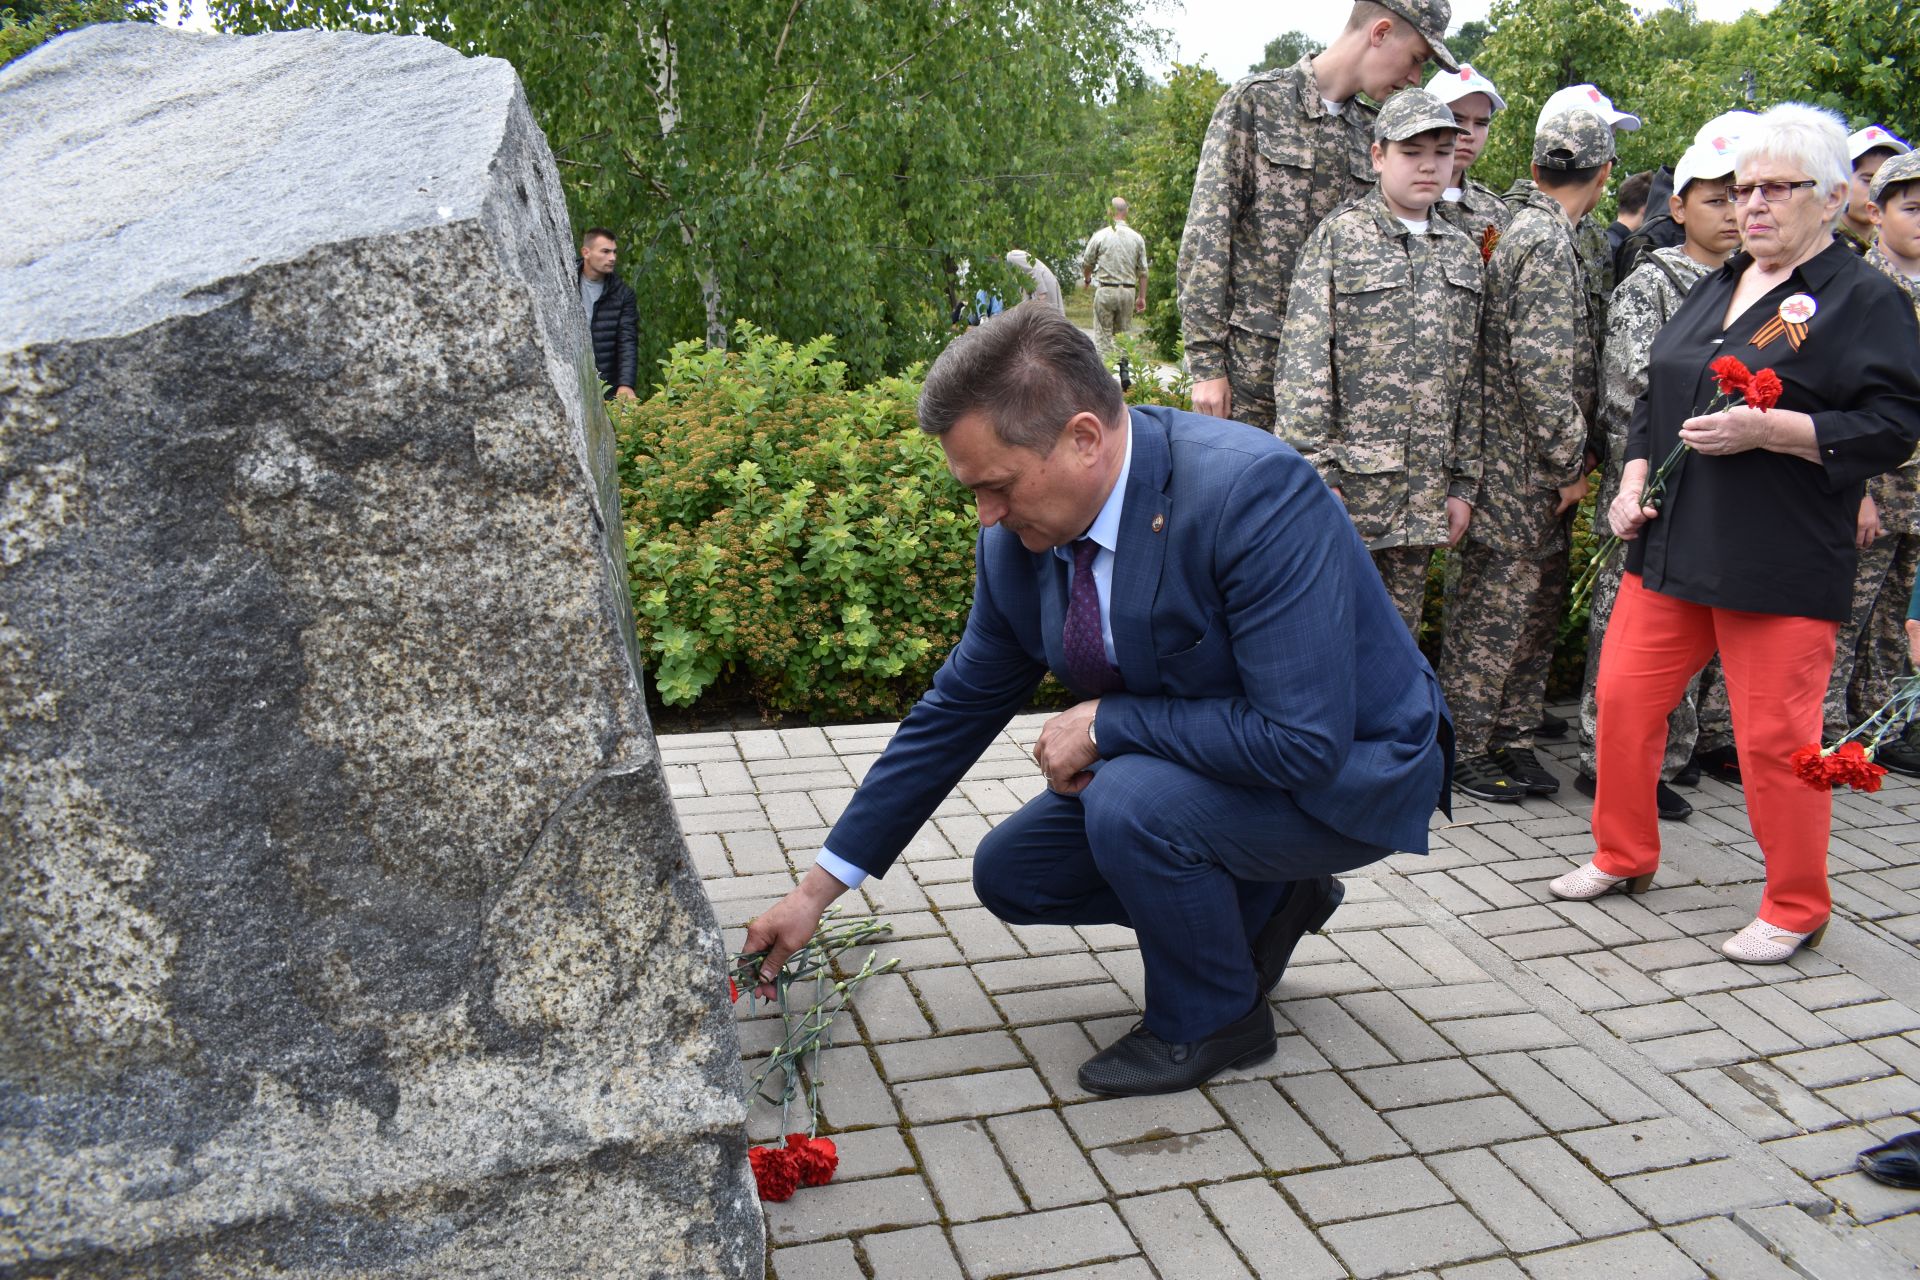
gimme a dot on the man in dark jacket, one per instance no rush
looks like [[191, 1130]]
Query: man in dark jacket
[[613, 317]]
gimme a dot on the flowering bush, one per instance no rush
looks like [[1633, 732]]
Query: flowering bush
[[789, 528]]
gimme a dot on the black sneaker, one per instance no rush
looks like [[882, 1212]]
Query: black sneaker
[[1902, 755], [1672, 805], [1584, 784], [1482, 778], [1722, 763], [1689, 775], [1524, 767], [1551, 726]]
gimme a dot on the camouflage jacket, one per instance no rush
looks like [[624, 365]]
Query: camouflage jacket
[[1542, 383], [1852, 239], [1115, 253], [1643, 303], [1897, 493], [1378, 377], [1274, 164], [1595, 254], [1477, 209]]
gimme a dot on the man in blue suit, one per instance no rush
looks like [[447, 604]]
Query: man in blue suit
[[1255, 716]]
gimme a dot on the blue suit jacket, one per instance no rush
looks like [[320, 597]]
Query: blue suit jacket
[[1257, 644]]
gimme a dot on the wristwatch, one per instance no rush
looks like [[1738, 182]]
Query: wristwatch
[[1090, 738]]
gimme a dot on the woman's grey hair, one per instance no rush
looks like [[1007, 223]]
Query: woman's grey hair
[[1808, 138], [1029, 370]]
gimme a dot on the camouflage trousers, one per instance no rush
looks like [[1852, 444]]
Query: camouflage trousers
[[1701, 721], [1112, 313], [1501, 620], [1870, 652], [1251, 358], [1404, 572]]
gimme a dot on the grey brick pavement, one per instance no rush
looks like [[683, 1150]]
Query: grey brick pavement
[[1474, 1082]]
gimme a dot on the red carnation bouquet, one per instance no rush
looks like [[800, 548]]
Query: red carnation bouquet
[[807, 1160], [1488, 239], [1736, 385], [1849, 762]]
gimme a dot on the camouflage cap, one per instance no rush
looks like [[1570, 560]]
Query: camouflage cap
[[1430, 19], [1410, 113], [1576, 139], [1904, 167]]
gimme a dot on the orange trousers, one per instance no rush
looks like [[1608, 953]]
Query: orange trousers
[[1776, 670]]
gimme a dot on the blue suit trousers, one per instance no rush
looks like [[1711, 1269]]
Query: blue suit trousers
[[1193, 865]]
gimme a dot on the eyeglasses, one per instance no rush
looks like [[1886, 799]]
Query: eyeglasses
[[1775, 192]]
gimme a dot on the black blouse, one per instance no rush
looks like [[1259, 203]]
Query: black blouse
[[1763, 532]]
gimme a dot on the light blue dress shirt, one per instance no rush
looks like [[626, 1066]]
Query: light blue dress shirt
[[1105, 530]]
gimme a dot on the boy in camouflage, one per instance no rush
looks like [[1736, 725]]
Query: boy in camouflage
[[1542, 388], [1378, 382], [1283, 150], [1643, 303], [1465, 203], [1871, 651]]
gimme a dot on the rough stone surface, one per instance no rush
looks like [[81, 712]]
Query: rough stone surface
[[348, 927]]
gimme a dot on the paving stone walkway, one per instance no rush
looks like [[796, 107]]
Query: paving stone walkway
[[1474, 1081]]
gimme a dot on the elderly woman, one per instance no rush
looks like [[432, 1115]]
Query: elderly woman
[[1751, 550]]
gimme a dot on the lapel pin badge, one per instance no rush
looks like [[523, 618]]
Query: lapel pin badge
[[1159, 523]]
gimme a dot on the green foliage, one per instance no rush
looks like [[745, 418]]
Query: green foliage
[[815, 166], [786, 526], [1466, 41], [28, 24], [1285, 50], [1676, 72], [1159, 182]]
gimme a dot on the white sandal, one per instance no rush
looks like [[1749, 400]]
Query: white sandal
[[1763, 943], [1591, 882]]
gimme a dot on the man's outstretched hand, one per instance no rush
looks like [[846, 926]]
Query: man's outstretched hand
[[788, 924], [1065, 748]]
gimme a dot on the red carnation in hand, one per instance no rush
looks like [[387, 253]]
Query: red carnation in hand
[[1732, 375], [1764, 389], [775, 1172], [1851, 766], [1810, 766], [815, 1158], [733, 991]]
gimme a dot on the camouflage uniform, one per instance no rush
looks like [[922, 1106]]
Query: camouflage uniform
[[1870, 652], [1644, 302], [1477, 209], [1116, 257], [1379, 384], [1853, 240], [1541, 393], [1275, 162], [1596, 257]]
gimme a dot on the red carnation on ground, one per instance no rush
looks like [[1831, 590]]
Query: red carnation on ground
[[1733, 376], [814, 1158], [1764, 389], [775, 1172]]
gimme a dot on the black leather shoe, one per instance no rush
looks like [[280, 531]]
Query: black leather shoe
[[1551, 726], [1308, 906], [1673, 806], [1140, 1062], [1584, 784], [1524, 767], [1482, 778], [1895, 1163]]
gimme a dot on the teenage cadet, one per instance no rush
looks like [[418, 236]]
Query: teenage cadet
[[1465, 203], [1870, 148], [1375, 385], [1645, 301], [1542, 385]]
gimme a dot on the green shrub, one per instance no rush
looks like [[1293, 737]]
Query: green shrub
[[788, 528]]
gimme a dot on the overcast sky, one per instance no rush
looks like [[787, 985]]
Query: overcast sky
[[1229, 35]]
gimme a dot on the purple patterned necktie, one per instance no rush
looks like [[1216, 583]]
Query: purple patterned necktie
[[1087, 666]]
